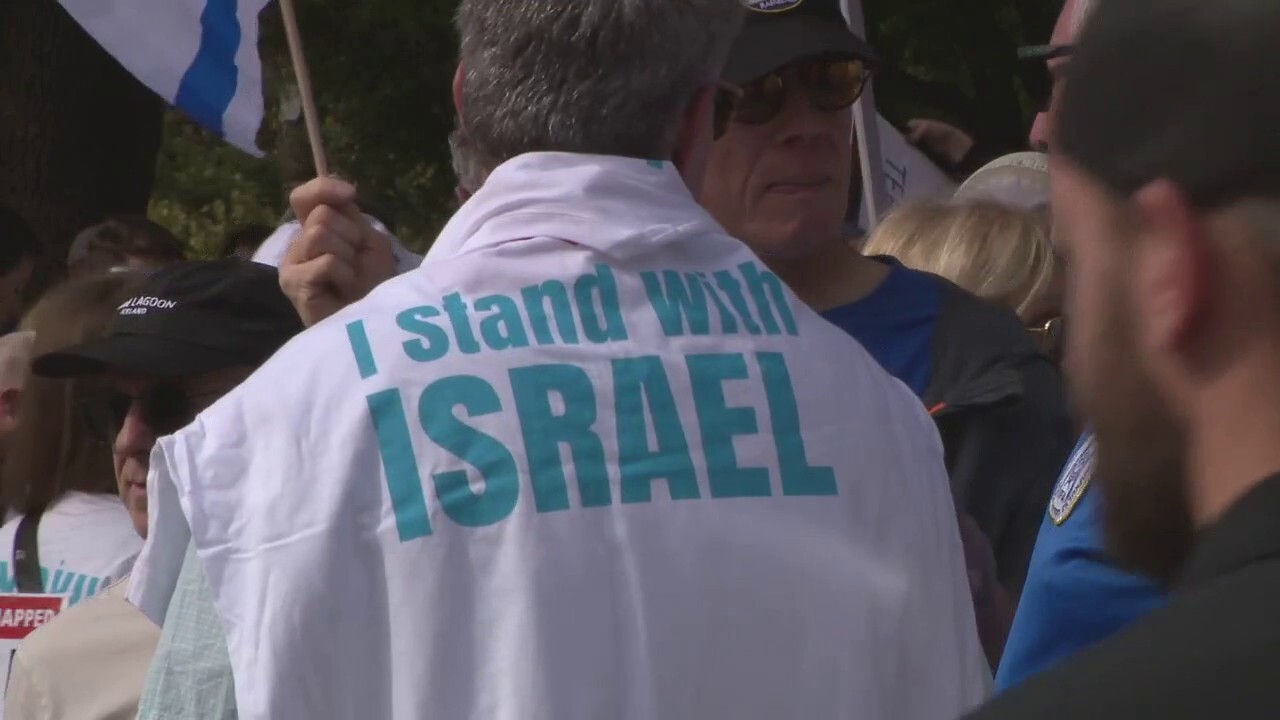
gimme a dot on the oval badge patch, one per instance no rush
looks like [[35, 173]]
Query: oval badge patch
[[771, 6], [1073, 482]]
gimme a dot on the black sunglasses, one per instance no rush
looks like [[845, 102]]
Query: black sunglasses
[[165, 407], [830, 84]]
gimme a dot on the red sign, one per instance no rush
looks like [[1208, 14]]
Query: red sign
[[20, 615]]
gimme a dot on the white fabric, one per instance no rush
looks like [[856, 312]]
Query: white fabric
[[272, 250], [908, 174], [159, 42], [86, 542], [521, 602]]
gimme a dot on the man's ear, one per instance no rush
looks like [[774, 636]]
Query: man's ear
[[1174, 265], [458, 77]]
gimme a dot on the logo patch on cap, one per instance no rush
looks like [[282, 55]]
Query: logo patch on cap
[[144, 304], [771, 6], [1073, 482]]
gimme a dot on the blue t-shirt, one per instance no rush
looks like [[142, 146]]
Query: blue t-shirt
[[895, 323], [1074, 597]]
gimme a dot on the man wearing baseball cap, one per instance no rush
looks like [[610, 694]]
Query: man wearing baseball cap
[[780, 180], [1168, 207], [194, 331], [1076, 594]]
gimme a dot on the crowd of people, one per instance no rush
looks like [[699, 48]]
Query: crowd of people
[[647, 434]]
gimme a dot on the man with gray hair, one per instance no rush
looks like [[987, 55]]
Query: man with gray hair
[[592, 460]]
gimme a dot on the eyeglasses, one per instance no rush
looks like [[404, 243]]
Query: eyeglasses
[[726, 106], [1049, 337], [830, 85], [164, 407]]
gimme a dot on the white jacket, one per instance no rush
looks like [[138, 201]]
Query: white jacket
[[590, 461]]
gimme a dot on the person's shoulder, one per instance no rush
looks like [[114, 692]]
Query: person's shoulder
[[1094, 683], [90, 529], [983, 356], [76, 630], [88, 658], [1157, 667], [100, 515], [76, 504], [839, 364], [977, 324]]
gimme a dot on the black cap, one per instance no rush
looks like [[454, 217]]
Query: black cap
[[188, 318], [779, 32], [1185, 90]]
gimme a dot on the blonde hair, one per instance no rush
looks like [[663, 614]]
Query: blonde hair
[[994, 251]]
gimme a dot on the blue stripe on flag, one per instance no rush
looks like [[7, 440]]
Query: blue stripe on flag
[[210, 82]]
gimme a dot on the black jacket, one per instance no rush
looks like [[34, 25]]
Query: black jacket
[[1001, 409], [1212, 653]]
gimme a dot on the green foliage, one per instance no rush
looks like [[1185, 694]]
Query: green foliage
[[382, 71], [205, 187], [957, 61]]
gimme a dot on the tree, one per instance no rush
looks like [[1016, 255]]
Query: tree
[[957, 61], [382, 72], [78, 135]]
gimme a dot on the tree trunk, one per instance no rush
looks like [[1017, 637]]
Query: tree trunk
[[78, 134]]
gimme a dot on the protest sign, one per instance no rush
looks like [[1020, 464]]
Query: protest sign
[[21, 615]]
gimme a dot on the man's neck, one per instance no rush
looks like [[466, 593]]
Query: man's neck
[[1235, 443], [836, 276]]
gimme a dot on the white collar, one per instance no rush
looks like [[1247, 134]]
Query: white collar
[[618, 206]]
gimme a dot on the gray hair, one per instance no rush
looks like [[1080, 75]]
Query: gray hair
[[465, 166], [608, 77]]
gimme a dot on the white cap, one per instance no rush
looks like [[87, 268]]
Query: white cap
[[272, 250], [1020, 180]]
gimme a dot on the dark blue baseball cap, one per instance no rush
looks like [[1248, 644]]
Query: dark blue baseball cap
[[188, 318], [777, 33]]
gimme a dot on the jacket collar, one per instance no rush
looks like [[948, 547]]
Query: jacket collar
[[618, 206], [1246, 534]]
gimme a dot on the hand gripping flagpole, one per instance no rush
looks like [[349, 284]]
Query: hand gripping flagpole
[[309, 112], [867, 129]]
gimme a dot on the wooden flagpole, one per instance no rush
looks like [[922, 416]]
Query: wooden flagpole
[[309, 113]]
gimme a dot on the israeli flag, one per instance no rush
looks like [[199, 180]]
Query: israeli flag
[[199, 55]]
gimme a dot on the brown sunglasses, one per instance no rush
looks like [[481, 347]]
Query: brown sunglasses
[[829, 84]]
